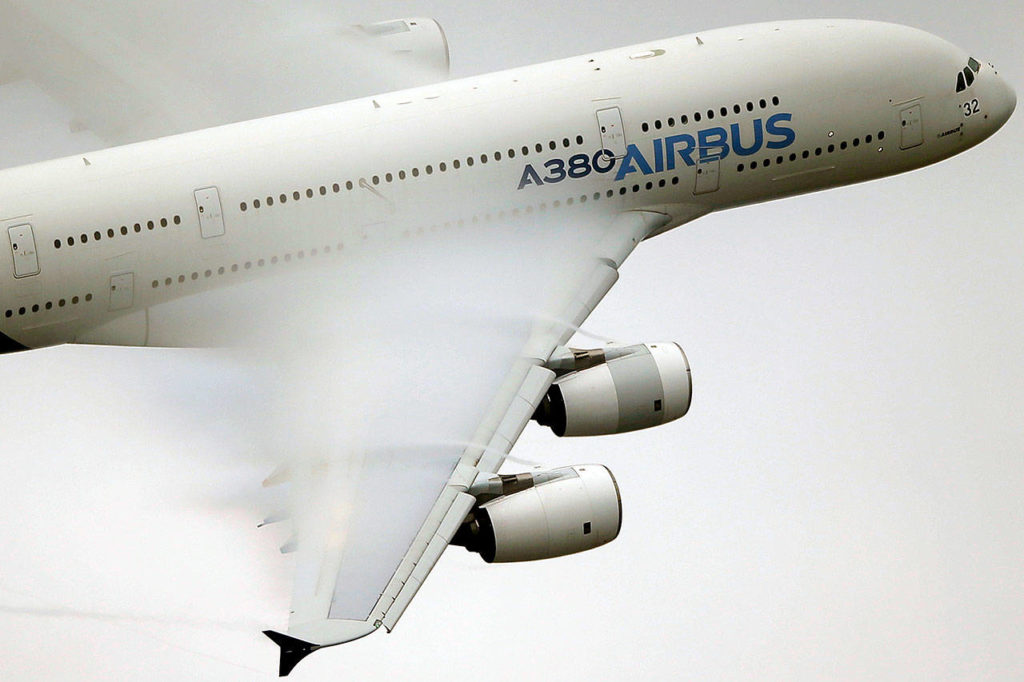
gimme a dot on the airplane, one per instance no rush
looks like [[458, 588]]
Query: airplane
[[620, 146]]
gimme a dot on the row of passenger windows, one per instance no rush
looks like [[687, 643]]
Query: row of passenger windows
[[722, 112], [111, 233], [247, 265], [806, 154], [429, 169], [965, 78], [487, 217], [49, 305]]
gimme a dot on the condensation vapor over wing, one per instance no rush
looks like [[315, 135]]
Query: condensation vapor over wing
[[132, 71], [388, 356], [363, 375]]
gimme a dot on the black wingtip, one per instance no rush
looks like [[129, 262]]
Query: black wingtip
[[292, 650]]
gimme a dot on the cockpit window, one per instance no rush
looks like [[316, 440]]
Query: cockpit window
[[965, 78]]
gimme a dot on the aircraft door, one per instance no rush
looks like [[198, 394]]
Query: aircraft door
[[23, 247], [911, 131], [211, 216], [613, 135], [707, 176], [122, 291]]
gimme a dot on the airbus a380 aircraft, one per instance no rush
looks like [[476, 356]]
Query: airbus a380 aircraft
[[627, 144]]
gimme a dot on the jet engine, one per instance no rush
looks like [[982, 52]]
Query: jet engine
[[543, 515], [617, 389]]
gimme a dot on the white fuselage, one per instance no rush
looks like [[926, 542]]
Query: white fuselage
[[708, 122]]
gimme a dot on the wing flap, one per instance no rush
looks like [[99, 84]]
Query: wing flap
[[411, 574], [453, 519]]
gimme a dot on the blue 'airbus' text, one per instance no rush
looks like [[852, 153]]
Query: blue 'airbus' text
[[665, 153]]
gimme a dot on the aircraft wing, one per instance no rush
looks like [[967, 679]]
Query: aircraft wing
[[129, 72], [370, 528]]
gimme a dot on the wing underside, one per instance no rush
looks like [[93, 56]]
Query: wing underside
[[360, 570]]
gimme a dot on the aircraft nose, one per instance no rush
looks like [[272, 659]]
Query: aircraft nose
[[1005, 101], [1009, 101]]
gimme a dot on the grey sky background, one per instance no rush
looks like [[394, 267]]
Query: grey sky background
[[842, 502]]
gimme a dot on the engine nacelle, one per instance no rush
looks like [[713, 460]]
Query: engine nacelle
[[552, 514], [641, 386]]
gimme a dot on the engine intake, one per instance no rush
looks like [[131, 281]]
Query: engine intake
[[619, 390], [552, 514]]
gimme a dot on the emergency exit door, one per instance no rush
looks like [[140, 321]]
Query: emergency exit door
[[613, 136], [211, 217], [911, 130], [23, 248], [122, 291], [707, 176]]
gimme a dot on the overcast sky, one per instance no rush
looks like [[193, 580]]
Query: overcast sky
[[842, 502]]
